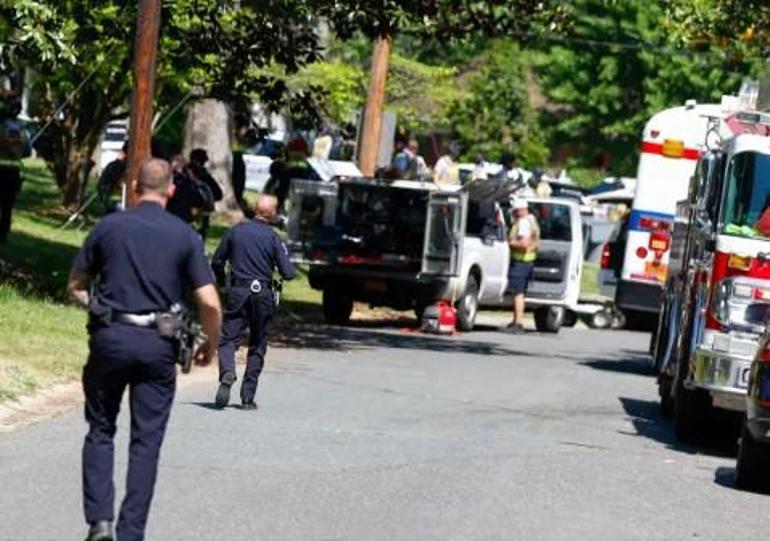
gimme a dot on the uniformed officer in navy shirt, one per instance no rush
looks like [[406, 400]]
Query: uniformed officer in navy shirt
[[254, 251], [142, 262]]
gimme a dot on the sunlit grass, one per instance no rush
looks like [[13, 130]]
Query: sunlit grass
[[41, 342]]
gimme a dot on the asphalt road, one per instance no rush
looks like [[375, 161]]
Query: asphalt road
[[373, 433]]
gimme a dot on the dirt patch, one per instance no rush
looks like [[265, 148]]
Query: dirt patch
[[64, 397], [39, 406]]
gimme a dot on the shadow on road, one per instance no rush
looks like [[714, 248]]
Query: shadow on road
[[330, 338], [650, 423], [639, 366], [212, 406], [628, 361], [724, 476]]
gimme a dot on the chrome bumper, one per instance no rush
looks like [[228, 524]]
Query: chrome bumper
[[725, 373]]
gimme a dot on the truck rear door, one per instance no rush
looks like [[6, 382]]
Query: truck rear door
[[558, 268], [444, 228], [312, 219]]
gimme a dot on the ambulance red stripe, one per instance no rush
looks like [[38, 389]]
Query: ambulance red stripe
[[657, 148]]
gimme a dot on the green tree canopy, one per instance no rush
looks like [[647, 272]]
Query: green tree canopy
[[219, 48], [497, 113], [619, 63]]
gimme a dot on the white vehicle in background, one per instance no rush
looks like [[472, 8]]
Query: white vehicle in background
[[115, 136], [409, 245], [672, 141], [258, 160]]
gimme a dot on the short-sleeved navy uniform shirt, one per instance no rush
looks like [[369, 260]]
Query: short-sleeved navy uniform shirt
[[145, 259], [253, 250]]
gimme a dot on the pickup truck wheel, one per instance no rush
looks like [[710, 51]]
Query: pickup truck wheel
[[752, 469], [337, 307], [549, 318], [601, 319], [468, 305], [419, 310]]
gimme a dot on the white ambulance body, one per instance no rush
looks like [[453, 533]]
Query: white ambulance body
[[672, 141]]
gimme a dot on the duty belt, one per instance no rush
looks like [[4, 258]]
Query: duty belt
[[256, 285], [137, 320]]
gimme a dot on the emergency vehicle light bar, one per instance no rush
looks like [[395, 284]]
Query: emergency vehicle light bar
[[753, 117]]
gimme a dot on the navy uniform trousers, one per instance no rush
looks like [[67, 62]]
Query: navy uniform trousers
[[121, 357], [10, 183], [246, 310]]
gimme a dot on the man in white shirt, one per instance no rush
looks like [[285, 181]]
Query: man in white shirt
[[446, 171]]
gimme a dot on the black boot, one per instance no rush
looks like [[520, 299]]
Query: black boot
[[100, 531], [223, 393]]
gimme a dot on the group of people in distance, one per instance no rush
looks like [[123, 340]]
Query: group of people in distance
[[408, 164], [524, 234], [194, 192]]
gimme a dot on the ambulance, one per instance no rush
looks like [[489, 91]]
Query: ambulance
[[672, 141]]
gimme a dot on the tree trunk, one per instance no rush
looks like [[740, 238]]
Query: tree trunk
[[76, 174], [75, 166], [209, 127]]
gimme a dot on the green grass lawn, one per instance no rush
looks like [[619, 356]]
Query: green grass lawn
[[589, 280], [42, 342], [42, 336]]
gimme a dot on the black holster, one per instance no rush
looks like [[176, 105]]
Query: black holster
[[99, 314]]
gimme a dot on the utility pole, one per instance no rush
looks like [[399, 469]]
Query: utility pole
[[140, 128], [370, 128]]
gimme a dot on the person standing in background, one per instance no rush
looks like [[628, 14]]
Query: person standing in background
[[14, 145], [446, 171], [524, 239]]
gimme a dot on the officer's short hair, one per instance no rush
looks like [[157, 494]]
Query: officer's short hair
[[266, 206], [155, 176]]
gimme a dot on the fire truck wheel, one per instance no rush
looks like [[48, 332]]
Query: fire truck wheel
[[468, 305], [660, 337], [752, 470], [337, 307], [666, 400], [549, 318], [690, 412]]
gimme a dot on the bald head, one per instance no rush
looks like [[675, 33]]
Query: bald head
[[154, 176], [266, 207]]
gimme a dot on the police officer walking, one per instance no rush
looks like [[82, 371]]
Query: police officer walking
[[14, 145], [142, 262], [254, 251]]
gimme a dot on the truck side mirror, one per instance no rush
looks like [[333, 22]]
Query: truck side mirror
[[707, 174]]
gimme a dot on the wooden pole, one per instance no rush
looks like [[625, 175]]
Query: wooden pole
[[370, 128], [140, 128]]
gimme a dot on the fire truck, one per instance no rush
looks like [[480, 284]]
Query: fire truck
[[717, 293]]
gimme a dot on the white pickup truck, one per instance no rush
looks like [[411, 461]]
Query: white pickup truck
[[408, 245]]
